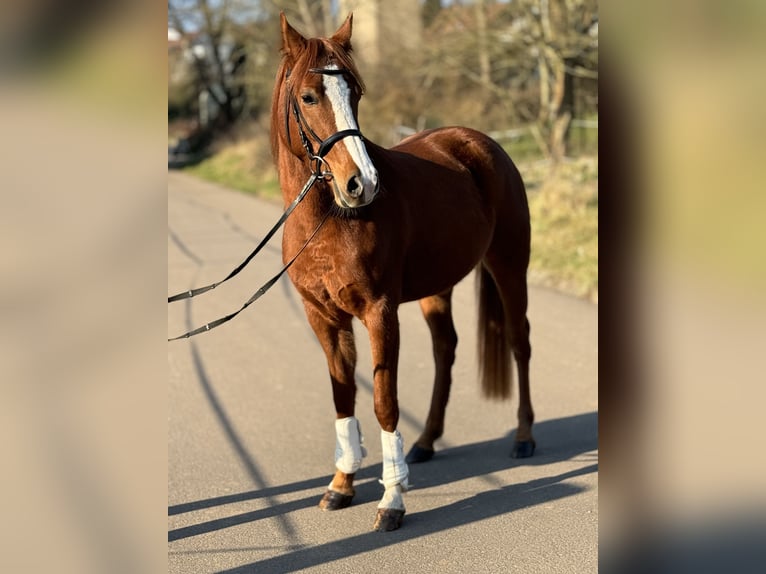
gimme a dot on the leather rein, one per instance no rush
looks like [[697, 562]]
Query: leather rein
[[319, 172]]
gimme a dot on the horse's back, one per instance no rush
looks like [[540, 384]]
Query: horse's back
[[467, 152], [466, 148]]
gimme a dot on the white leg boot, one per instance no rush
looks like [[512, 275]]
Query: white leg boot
[[349, 445], [349, 452], [395, 475]]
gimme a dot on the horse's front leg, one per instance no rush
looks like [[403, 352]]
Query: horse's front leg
[[337, 340], [383, 325]]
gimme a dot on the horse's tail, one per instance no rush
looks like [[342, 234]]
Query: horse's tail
[[495, 369]]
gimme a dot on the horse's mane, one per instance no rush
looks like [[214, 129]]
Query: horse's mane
[[318, 52]]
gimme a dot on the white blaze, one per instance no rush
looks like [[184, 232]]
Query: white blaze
[[337, 90]]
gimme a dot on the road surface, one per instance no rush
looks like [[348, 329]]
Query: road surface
[[251, 426]]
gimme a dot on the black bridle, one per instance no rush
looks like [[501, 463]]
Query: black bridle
[[316, 164], [316, 160]]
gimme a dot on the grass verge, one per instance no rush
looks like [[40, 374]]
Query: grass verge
[[564, 213], [239, 166]]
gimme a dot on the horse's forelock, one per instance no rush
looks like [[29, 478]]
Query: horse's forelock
[[343, 60], [319, 53]]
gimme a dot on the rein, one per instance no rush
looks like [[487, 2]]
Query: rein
[[265, 287], [317, 163]]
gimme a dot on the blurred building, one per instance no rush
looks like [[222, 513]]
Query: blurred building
[[383, 29]]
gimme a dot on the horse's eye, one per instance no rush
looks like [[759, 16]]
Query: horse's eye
[[309, 99]]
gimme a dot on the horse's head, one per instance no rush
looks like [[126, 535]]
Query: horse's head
[[318, 103]]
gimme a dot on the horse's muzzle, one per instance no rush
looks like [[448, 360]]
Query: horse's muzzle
[[357, 191]]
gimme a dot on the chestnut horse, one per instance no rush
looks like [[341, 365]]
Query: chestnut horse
[[395, 225]]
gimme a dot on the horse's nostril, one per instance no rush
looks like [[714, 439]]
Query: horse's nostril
[[354, 187]]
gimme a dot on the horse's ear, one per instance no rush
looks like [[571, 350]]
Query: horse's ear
[[343, 35], [292, 41]]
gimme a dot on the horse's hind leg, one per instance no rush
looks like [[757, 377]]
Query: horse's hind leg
[[512, 284], [437, 311], [524, 445], [337, 340]]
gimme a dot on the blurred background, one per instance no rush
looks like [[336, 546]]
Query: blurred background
[[83, 232], [526, 72]]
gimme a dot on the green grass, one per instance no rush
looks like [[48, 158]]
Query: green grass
[[521, 149], [582, 141], [230, 167]]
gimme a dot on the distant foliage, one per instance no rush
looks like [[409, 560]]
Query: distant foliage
[[488, 64]]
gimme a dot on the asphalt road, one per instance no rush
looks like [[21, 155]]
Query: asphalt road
[[251, 431]]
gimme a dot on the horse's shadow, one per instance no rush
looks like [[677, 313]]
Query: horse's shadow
[[558, 439]]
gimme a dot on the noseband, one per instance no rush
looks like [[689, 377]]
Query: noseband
[[316, 160]]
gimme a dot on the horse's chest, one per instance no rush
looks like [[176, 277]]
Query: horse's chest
[[332, 281]]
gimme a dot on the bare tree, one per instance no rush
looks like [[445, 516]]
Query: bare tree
[[217, 52], [312, 17], [487, 63], [430, 10], [523, 55], [565, 47], [482, 39]]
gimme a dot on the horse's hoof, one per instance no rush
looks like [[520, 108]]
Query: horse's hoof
[[335, 500], [388, 519], [419, 454], [523, 449]]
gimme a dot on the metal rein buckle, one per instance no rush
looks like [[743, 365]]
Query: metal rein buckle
[[318, 163]]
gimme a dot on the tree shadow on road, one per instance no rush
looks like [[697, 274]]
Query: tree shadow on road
[[481, 506]]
